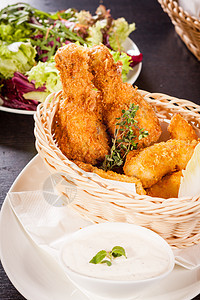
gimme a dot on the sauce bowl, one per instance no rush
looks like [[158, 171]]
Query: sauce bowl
[[148, 260]]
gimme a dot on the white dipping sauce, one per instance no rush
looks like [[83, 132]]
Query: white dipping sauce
[[146, 258]]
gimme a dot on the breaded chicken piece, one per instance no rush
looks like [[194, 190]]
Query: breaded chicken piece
[[112, 176], [77, 126], [79, 134], [117, 96], [179, 128], [152, 163], [167, 187]]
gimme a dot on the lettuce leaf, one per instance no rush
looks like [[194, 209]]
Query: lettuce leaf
[[46, 74], [36, 96], [119, 32], [11, 34], [84, 17], [16, 57], [126, 61], [95, 36]]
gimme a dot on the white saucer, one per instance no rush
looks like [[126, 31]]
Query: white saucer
[[37, 277], [131, 78]]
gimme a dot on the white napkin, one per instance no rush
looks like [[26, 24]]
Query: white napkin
[[130, 186], [188, 258], [191, 6], [49, 226]]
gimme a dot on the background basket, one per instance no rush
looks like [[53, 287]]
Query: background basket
[[175, 219], [187, 27]]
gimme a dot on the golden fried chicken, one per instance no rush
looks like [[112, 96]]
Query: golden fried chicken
[[152, 163], [117, 96], [179, 128], [78, 127], [167, 187], [112, 176]]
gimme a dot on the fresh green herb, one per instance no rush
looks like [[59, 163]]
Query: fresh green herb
[[55, 36], [119, 32], [108, 262], [45, 31], [116, 251], [124, 139], [98, 257]]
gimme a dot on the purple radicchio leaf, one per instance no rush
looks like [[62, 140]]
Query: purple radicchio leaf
[[13, 90], [135, 59]]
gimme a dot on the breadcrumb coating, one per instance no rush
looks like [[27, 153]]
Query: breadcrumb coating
[[152, 163], [167, 187], [117, 95], [78, 127], [180, 129]]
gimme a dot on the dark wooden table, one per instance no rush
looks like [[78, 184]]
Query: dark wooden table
[[168, 67]]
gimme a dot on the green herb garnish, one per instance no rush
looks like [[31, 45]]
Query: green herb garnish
[[124, 139], [116, 251]]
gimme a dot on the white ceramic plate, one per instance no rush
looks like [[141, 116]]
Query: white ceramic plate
[[16, 111], [129, 46], [132, 49], [37, 277]]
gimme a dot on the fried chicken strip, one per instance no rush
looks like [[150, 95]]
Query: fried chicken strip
[[112, 176], [152, 163], [179, 128], [167, 187], [118, 96], [78, 127]]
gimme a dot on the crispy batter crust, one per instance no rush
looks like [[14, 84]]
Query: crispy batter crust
[[154, 162], [78, 127], [167, 187], [93, 98], [117, 96], [179, 128]]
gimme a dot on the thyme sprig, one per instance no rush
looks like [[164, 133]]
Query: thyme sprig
[[124, 139]]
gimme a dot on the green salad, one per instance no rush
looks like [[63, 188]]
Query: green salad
[[29, 39]]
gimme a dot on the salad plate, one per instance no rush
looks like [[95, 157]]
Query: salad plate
[[16, 111], [132, 49], [36, 276], [129, 46]]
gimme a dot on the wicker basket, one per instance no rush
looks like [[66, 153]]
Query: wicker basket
[[186, 26], [175, 219]]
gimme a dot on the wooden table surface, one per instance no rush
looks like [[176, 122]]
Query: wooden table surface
[[168, 67]]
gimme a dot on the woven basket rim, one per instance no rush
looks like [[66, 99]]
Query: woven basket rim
[[186, 26], [183, 14]]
